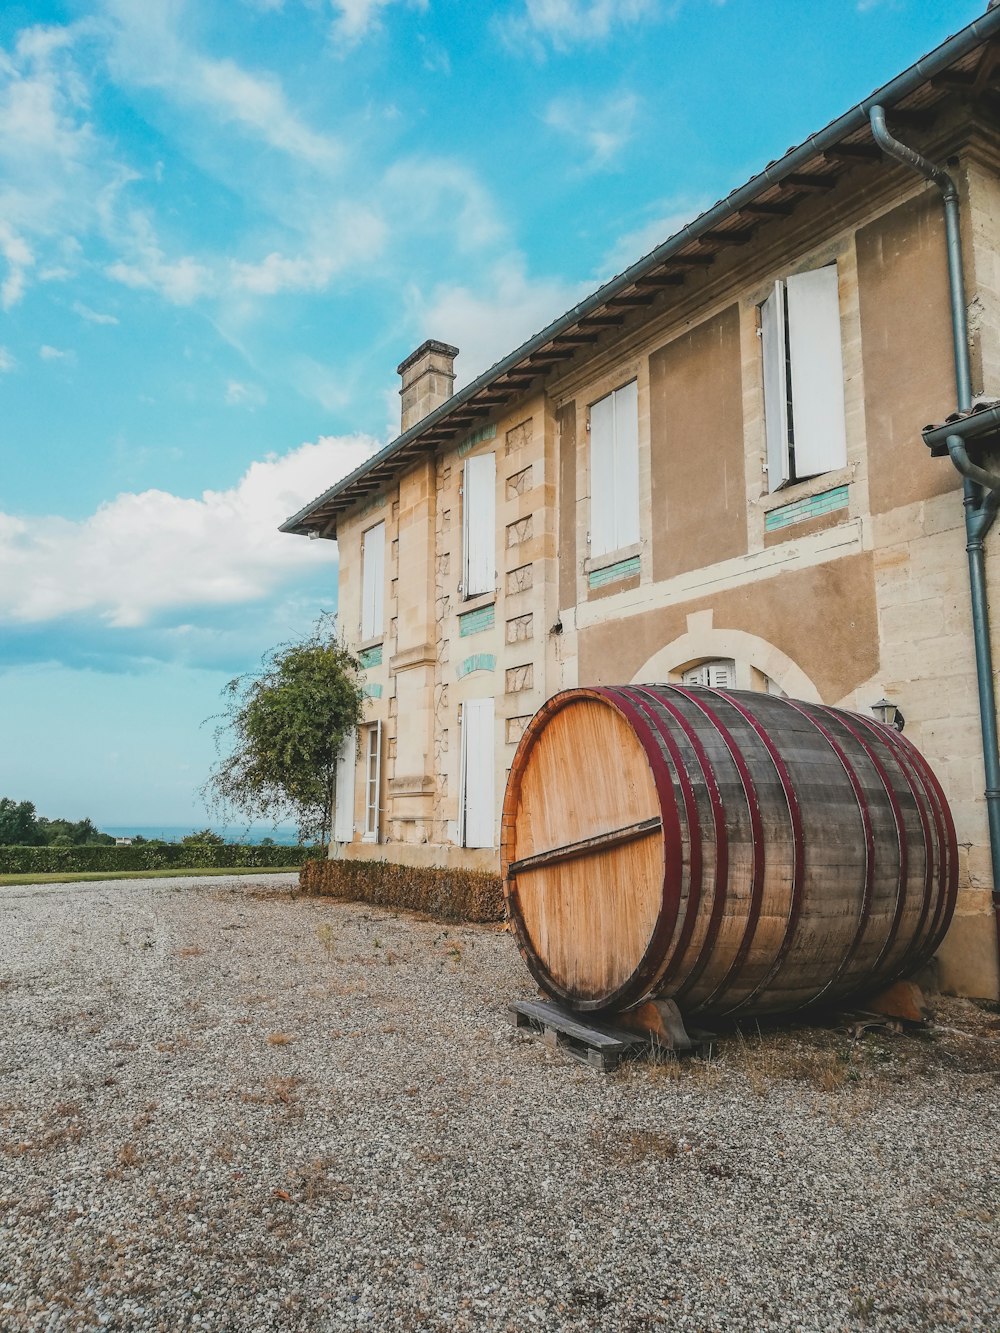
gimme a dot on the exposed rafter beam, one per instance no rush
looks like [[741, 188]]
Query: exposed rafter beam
[[737, 236], [855, 152], [624, 302], [661, 280], [770, 209], [808, 180]]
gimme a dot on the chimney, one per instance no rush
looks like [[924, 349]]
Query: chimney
[[428, 376]]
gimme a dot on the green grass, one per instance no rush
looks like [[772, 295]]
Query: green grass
[[170, 873]]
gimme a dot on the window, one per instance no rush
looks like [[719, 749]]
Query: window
[[372, 581], [479, 542], [614, 470], [803, 378], [476, 817], [717, 675], [343, 811], [373, 779]]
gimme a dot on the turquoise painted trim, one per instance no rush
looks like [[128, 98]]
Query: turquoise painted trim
[[477, 662], [371, 657], [477, 437], [475, 621], [624, 569], [371, 691], [811, 507]]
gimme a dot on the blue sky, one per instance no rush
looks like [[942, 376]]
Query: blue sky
[[222, 225]]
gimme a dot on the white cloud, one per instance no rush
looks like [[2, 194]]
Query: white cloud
[[490, 320], [633, 245], [57, 179], [601, 127], [239, 394], [441, 196], [7, 362], [147, 50], [19, 257], [48, 353], [354, 235], [93, 316], [144, 556], [566, 23], [356, 18]]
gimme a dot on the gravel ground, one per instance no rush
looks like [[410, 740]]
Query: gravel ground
[[223, 1106]]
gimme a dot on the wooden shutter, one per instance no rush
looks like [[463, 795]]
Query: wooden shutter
[[373, 582], [343, 816], [477, 763], [817, 372], [479, 488], [772, 321], [626, 465], [373, 782], [602, 477]]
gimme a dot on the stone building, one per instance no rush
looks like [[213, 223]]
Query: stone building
[[711, 469]]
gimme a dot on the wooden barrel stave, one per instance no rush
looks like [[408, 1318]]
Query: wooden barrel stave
[[802, 853]]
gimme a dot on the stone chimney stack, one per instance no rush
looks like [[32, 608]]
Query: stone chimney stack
[[428, 376]]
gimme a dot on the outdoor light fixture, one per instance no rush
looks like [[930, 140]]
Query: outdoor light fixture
[[313, 533], [888, 714]]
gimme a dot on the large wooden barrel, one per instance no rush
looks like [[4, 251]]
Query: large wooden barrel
[[736, 852]]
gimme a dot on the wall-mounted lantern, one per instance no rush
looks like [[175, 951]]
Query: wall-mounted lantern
[[889, 714]]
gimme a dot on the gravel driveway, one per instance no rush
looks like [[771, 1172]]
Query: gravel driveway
[[223, 1106]]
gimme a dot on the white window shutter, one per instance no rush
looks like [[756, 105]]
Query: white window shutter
[[479, 525], [462, 766], [477, 745], [717, 675], [626, 465], [772, 319], [372, 582], [343, 817], [602, 477], [817, 372]]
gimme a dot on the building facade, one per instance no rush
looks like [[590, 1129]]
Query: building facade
[[710, 470]]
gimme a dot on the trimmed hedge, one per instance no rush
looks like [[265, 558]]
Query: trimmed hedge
[[452, 895], [143, 856]]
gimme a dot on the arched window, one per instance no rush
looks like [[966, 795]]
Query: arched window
[[717, 674]]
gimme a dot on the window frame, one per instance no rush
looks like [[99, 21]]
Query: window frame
[[800, 324], [373, 783]]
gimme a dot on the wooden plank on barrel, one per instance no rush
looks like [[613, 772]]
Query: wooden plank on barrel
[[599, 842]]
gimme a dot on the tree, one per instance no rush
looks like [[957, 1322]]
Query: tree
[[283, 727], [203, 836], [19, 824]]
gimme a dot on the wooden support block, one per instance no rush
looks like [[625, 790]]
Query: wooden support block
[[903, 999]]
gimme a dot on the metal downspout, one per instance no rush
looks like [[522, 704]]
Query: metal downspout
[[981, 490]]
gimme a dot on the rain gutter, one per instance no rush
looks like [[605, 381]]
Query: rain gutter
[[981, 489]]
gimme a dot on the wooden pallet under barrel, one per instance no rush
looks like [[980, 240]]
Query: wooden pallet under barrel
[[601, 1045]]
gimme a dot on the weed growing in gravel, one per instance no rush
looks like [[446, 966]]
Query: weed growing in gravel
[[128, 1157], [641, 1144]]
